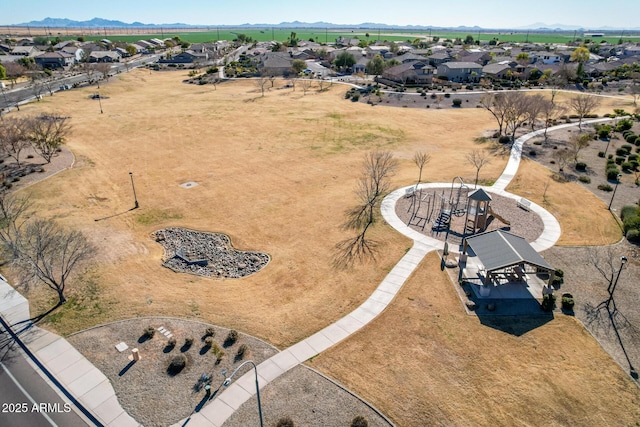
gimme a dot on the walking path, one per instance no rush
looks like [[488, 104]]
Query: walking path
[[83, 382]]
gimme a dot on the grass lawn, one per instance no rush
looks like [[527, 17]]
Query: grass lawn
[[425, 362]]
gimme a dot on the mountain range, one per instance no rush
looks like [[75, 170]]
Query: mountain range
[[100, 22]]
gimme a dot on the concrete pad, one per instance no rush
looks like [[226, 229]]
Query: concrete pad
[[216, 413], [16, 313], [125, 420], [75, 371], [349, 323], [248, 382], [363, 315], [52, 350], [335, 333], [83, 384], [65, 359], [319, 342], [373, 306], [302, 351], [108, 410], [380, 295], [36, 338], [94, 397], [122, 346], [234, 396], [269, 370], [285, 360]]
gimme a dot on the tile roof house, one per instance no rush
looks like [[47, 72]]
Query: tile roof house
[[275, 63], [25, 51], [413, 72], [54, 60], [496, 71], [104, 56], [460, 72]]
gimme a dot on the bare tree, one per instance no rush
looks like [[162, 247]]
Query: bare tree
[[535, 106], [478, 159], [49, 83], [583, 105], [576, 143], [36, 86], [48, 132], [305, 84], [562, 158], [272, 78], [49, 254], [261, 83], [14, 71], [495, 104], [13, 137], [103, 68], [550, 111], [421, 158], [89, 69], [515, 107], [556, 82], [378, 168], [13, 214]]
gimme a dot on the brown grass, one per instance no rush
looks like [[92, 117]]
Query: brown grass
[[274, 173], [425, 362], [584, 219]]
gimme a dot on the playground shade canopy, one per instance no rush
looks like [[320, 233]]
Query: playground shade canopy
[[499, 249]]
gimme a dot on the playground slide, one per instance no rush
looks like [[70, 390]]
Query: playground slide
[[498, 217]]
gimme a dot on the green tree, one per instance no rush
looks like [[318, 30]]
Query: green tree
[[345, 60], [393, 47], [522, 58], [131, 50], [3, 72], [375, 66], [468, 39], [298, 65], [27, 62]]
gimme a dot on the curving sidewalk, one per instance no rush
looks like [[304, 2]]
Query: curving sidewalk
[[84, 383]]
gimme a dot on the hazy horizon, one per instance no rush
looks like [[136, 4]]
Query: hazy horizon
[[496, 14]]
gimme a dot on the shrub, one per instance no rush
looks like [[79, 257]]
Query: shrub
[[359, 421], [601, 154], [559, 273], [285, 422], [172, 342], [585, 179], [548, 302], [627, 166], [610, 156], [177, 364], [504, 139], [612, 173], [633, 235], [231, 339], [628, 148], [628, 211], [622, 152], [631, 222], [537, 142], [620, 159], [581, 166], [604, 132], [355, 97], [15, 179], [447, 95], [631, 137], [188, 341], [624, 124], [209, 332], [457, 102], [610, 162], [568, 302], [208, 342], [532, 153], [633, 157], [241, 351], [149, 332], [605, 187], [637, 140]]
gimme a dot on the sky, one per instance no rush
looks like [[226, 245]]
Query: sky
[[442, 13]]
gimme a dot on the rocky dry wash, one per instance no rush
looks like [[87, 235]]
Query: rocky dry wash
[[207, 254]]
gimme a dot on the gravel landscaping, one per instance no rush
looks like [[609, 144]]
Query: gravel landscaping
[[206, 254]]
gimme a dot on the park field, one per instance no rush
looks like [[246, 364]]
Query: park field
[[277, 173]]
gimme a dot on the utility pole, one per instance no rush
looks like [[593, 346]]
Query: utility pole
[[135, 198]]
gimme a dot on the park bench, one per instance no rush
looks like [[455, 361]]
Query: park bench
[[524, 204]]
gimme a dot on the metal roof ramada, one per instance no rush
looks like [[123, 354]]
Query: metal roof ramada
[[499, 249]]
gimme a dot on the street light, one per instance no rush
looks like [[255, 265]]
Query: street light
[[614, 190], [255, 368], [612, 285], [135, 198]]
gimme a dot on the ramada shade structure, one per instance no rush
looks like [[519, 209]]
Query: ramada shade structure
[[500, 251]]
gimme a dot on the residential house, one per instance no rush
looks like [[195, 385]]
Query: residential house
[[346, 42], [460, 72], [551, 58], [275, 63], [186, 57], [77, 52], [5, 49], [438, 58], [409, 57], [497, 71], [25, 51], [481, 58], [104, 56], [631, 50], [411, 73], [54, 60]]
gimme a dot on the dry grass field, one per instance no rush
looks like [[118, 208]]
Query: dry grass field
[[425, 362], [274, 173]]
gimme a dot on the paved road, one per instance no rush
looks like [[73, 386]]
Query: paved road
[[26, 399]]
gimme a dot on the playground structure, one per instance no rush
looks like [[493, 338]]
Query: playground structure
[[438, 209]]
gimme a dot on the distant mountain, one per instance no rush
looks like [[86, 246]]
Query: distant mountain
[[94, 23], [100, 22]]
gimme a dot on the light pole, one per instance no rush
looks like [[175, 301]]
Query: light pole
[[612, 285], [135, 198], [255, 368], [100, 102], [614, 190]]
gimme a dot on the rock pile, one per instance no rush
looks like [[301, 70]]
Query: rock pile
[[206, 254]]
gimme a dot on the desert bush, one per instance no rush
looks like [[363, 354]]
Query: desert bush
[[532, 153], [585, 179], [548, 302], [457, 102], [568, 302], [627, 166], [612, 173], [172, 342], [355, 97], [285, 422], [631, 137], [581, 166], [209, 332], [628, 148], [627, 211], [188, 342], [208, 342], [623, 125], [604, 132], [605, 187], [601, 154], [504, 139], [447, 95], [242, 350], [177, 364], [231, 339], [622, 152], [359, 421], [149, 332], [633, 235]]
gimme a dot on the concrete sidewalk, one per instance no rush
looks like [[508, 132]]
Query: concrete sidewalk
[[64, 364]]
